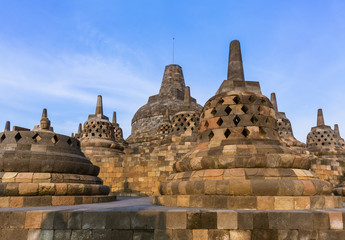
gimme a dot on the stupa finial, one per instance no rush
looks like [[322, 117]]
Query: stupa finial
[[336, 130], [235, 68], [320, 120], [274, 101], [45, 122], [187, 95], [99, 106], [114, 118], [79, 128], [8, 126], [166, 116]]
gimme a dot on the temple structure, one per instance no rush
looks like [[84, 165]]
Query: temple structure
[[239, 161], [328, 156], [285, 129], [173, 95], [42, 168]]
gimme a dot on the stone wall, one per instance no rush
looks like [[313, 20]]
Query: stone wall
[[141, 169]]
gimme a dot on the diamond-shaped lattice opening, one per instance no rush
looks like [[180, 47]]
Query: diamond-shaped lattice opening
[[210, 136], [236, 99], [244, 109], [55, 139], [227, 133], [214, 111], [220, 122], [221, 101], [100, 135], [206, 124], [185, 128], [245, 132], [262, 132], [69, 141], [251, 99], [17, 137], [2, 138], [237, 120], [254, 120], [227, 110], [188, 124], [36, 138]]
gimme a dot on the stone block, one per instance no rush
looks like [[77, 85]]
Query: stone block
[[264, 234], [227, 220], [283, 203], [200, 234], [245, 220], [17, 220], [260, 220], [47, 220], [4, 202], [101, 234], [60, 220], [163, 234], [81, 235], [62, 234], [218, 234], [336, 220], [265, 202], [75, 220], [28, 189], [118, 220], [122, 234], [17, 234], [193, 220], [240, 235], [144, 220], [182, 234], [209, 220], [33, 220], [94, 220], [16, 201], [300, 220], [176, 220], [279, 220], [321, 220]]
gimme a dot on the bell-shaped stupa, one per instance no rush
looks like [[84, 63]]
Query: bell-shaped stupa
[[43, 168], [98, 132], [239, 161], [173, 95], [328, 157], [285, 129]]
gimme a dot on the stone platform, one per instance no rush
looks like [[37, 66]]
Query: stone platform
[[137, 218]]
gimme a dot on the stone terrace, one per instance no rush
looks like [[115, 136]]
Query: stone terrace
[[137, 218]]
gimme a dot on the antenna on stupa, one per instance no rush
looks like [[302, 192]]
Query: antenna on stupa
[[320, 120], [235, 67], [173, 53]]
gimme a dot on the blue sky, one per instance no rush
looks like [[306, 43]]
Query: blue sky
[[61, 54]]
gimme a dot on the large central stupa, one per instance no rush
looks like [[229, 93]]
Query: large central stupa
[[239, 161]]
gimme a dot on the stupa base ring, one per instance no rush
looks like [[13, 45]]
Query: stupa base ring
[[35, 201], [250, 202]]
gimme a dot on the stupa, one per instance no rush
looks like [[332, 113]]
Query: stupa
[[239, 161], [328, 157], [42, 168], [173, 95], [98, 133], [285, 129], [341, 142]]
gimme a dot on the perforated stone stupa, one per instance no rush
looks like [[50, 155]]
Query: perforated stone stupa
[[328, 159], [173, 96], [239, 162], [98, 132], [41, 168], [285, 129]]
